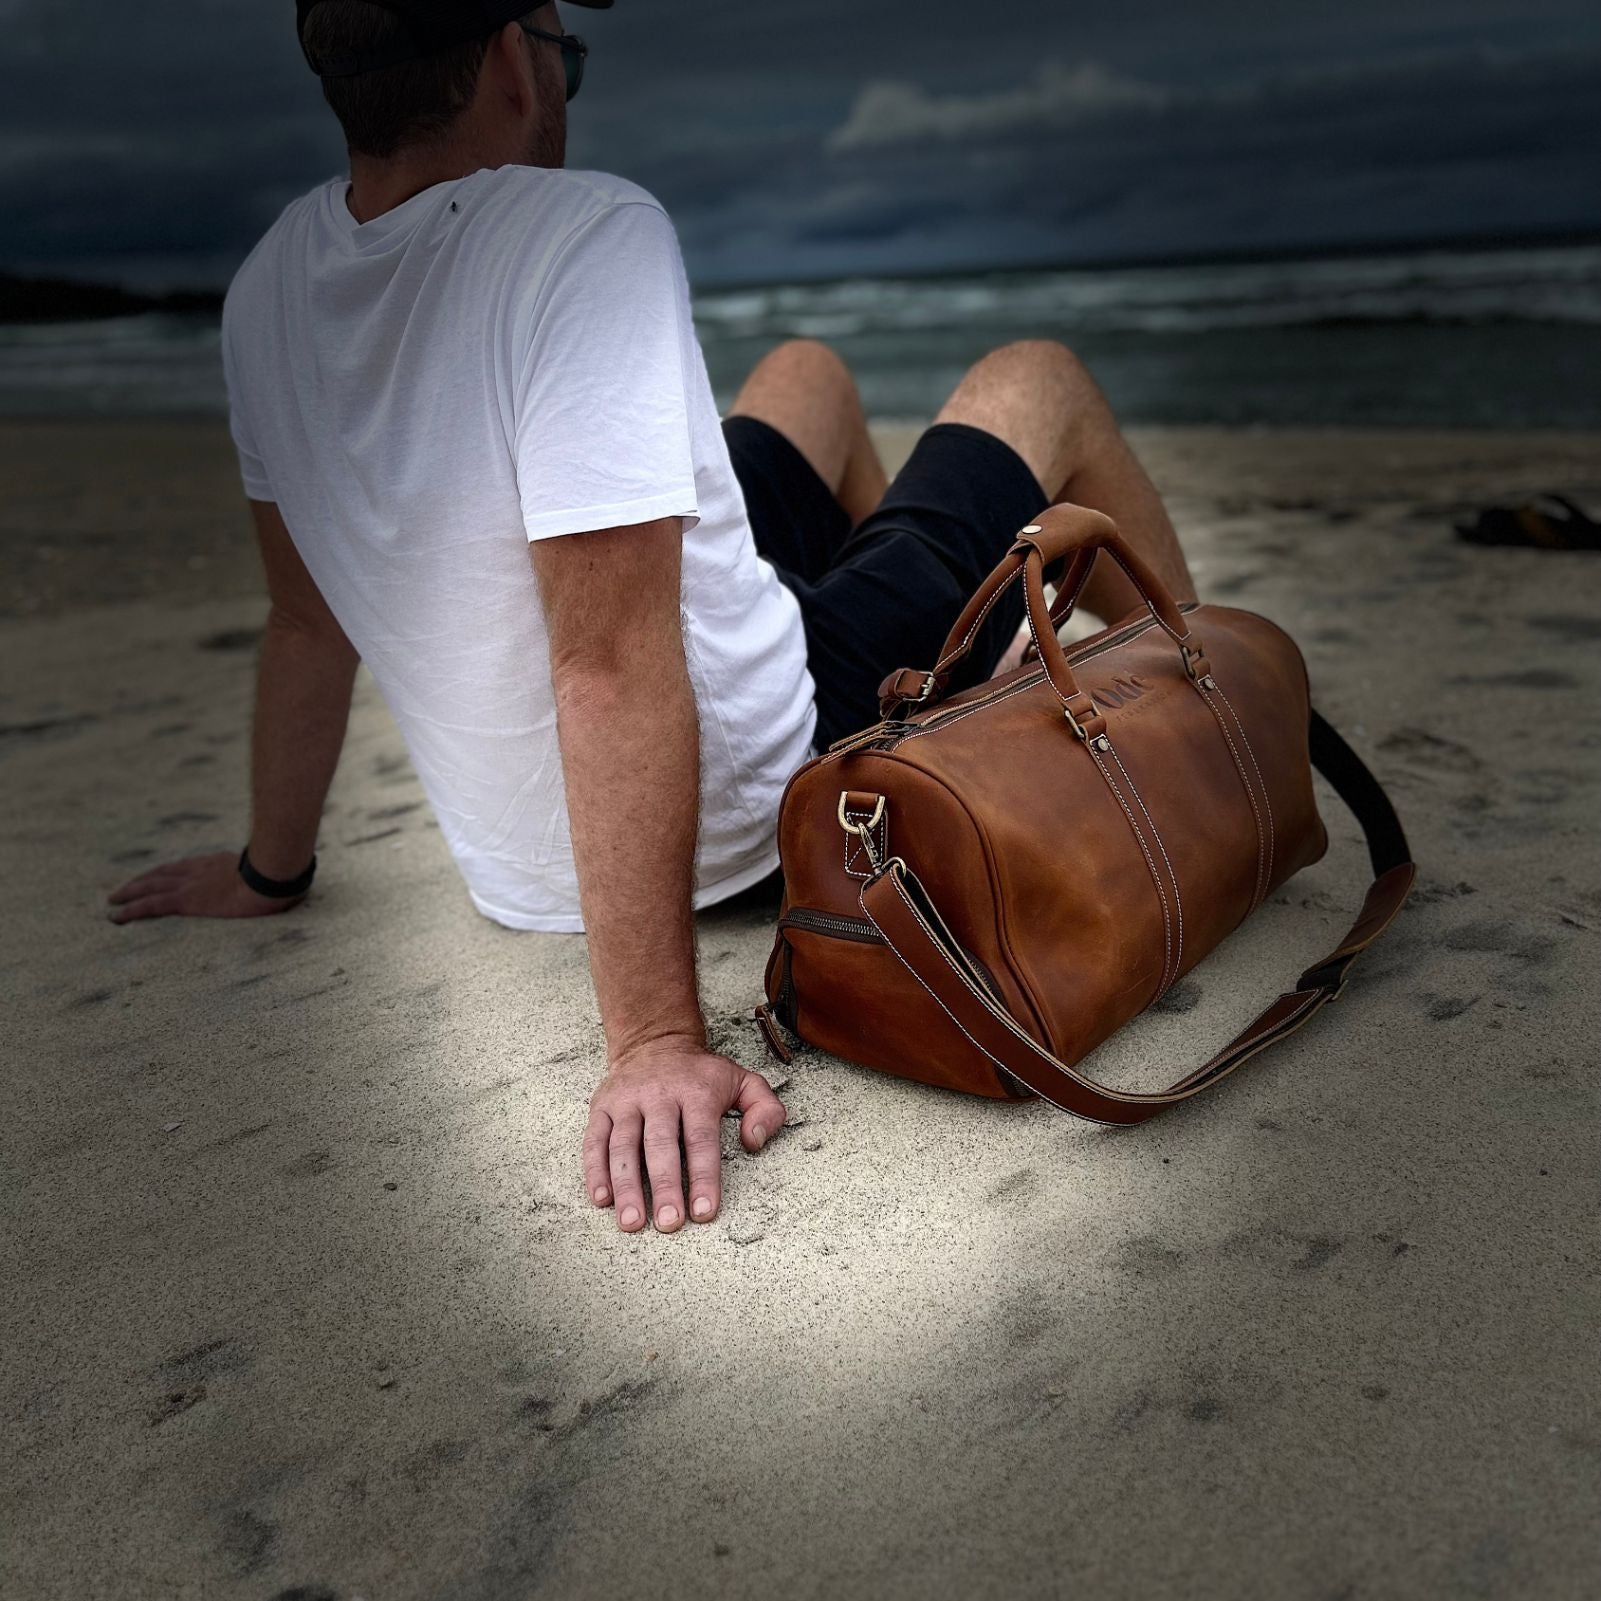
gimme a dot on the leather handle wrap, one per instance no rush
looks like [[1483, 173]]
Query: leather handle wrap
[[1069, 530], [1081, 537], [900, 909], [1056, 531]]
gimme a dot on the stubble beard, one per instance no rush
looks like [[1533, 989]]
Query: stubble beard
[[547, 139]]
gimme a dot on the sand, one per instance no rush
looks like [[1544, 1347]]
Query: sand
[[302, 1299]]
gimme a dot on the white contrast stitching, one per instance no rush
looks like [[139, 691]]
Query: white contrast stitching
[[1106, 1092], [967, 711], [946, 720], [965, 643], [1150, 862], [1066, 1072], [853, 842], [1028, 612], [1033, 633], [1178, 900], [1078, 589], [918, 976], [1250, 795], [1267, 805], [1129, 571]]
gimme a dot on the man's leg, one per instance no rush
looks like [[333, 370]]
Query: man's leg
[[806, 392], [1037, 396], [1025, 427]]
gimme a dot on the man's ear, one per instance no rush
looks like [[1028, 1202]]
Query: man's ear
[[510, 69]]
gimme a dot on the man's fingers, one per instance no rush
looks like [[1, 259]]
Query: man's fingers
[[163, 904], [627, 1184], [761, 1113], [649, 1120], [661, 1162], [156, 878], [597, 1168], [704, 1153]]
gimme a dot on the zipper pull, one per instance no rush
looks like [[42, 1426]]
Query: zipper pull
[[771, 1038], [874, 734]]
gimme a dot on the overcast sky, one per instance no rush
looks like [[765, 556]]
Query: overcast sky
[[154, 142]]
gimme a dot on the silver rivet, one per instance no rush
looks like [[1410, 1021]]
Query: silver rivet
[[1209, 682], [1033, 528], [1103, 743]]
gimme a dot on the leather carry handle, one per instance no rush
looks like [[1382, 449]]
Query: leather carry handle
[[900, 909], [1068, 591], [1049, 541], [1060, 531], [1069, 530]]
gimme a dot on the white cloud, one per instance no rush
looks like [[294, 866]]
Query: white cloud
[[888, 112]]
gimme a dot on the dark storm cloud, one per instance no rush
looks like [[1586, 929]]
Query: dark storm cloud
[[157, 142], [1082, 163]]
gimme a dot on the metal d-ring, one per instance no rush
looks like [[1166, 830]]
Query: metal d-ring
[[863, 831], [850, 824]]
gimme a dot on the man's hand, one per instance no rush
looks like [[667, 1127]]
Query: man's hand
[[665, 1091], [303, 684], [200, 886], [630, 749]]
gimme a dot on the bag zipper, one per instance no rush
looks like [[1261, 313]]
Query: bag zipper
[[815, 922], [837, 926], [886, 735]]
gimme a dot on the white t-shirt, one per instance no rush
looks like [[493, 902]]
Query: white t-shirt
[[501, 358]]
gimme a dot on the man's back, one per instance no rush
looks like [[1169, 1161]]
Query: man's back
[[505, 357]]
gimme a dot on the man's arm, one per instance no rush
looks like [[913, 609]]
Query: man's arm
[[303, 684], [630, 748]]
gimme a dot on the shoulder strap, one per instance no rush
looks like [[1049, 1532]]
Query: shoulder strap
[[898, 906]]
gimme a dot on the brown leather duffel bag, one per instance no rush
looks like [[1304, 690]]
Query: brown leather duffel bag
[[979, 890]]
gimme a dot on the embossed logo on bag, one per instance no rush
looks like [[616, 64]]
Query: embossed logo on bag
[[1121, 690]]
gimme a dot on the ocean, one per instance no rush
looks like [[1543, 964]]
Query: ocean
[[1439, 338]]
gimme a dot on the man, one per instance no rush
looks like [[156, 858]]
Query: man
[[482, 456]]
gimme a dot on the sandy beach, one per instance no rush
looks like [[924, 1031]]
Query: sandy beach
[[302, 1297]]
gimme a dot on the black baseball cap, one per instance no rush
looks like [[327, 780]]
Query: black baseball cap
[[429, 26]]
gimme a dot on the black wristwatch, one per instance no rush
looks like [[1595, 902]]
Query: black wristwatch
[[278, 889]]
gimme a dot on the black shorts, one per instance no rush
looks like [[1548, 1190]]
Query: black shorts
[[884, 594]]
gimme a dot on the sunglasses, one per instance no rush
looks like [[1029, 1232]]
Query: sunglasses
[[573, 53]]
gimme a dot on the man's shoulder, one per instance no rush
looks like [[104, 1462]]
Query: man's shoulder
[[578, 187], [560, 200], [263, 254]]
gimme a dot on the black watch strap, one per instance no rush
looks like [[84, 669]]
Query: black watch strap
[[278, 889]]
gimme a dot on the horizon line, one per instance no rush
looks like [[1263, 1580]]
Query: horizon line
[[1487, 241]]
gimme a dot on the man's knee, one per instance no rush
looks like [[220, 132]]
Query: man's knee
[[811, 360], [1037, 396], [1041, 365], [800, 376]]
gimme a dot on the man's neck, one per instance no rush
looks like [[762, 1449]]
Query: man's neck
[[377, 186], [380, 186]]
